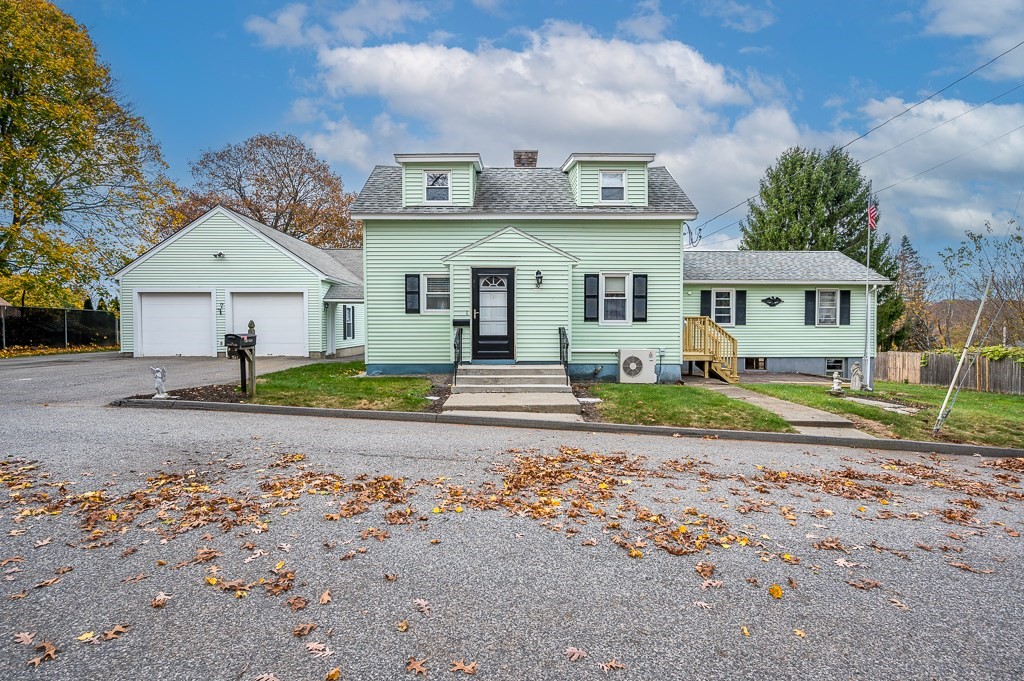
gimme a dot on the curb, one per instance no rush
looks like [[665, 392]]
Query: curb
[[588, 427]]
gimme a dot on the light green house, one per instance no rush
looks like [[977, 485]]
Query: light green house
[[499, 265], [224, 270]]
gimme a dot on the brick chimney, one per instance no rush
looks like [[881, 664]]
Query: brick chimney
[[525, 158]]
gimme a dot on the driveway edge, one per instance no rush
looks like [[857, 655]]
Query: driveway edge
[[586, 426]]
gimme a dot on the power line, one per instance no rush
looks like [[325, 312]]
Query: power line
[[959, 156], [948, 120], [914, 106], [862, 136]]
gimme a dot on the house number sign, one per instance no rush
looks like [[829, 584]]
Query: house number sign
[[771, 301]]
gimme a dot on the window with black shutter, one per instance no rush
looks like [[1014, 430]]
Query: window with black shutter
[[412, 294], [591, 295], [810, 307], [741, 308], [350, 321], [705, 303], [639, 297]]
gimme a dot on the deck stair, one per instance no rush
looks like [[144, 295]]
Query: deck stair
[[711, 346]]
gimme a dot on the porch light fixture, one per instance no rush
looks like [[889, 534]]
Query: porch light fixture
[[326, 306], [540, 278], [219, 254]]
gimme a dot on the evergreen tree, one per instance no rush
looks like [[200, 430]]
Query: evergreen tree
[[912, 287], [87, 303], [815, 201]]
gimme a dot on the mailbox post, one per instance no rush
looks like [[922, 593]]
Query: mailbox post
[[243, 346]]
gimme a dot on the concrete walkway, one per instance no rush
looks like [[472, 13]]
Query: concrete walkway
[[806, 420]]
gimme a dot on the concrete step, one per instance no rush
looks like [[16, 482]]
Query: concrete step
[[491, 379], [547, 403], [511, 370], [475, 387]]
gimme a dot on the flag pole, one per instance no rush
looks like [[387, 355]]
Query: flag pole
[[868, 374]]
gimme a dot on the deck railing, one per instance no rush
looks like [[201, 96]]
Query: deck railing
[[702, 336], [563, 351], [457, 345]]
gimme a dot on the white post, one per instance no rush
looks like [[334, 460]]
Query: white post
[[963, 355], [869, 375]]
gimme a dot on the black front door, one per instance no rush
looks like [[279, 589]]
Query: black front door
[[493, 313]]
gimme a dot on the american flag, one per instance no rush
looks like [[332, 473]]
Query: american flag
[[872, 216]]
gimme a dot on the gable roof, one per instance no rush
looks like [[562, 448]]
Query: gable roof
[[510, 230], [318, 260], [344, 292], [522, 191], [803, 267]]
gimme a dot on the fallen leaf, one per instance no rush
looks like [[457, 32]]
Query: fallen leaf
[[160, 600], [48, 582], [318, 649], [963, 566], [800, 633], [87, 636], [333, 675], [390, 577], [423, 605], [115, 633], [899, 604], [842, 562], [575, 654], [301, 630], [745, 631], [402, 626], [775, 591], [864, 584], [589, 542], [17, 596], [705, 570], [614, 664], [25, 638], [296, 603], [267, 677], [461, 666], [325, 597], [702, 605], [417, 666], [43, 542], [712, 584]]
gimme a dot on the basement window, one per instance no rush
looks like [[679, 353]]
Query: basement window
[[755, 364], [834, 364]]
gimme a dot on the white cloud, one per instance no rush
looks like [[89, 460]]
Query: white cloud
[[294, 26], [994, 25], [745, 17], [648, 23], [488, 5]]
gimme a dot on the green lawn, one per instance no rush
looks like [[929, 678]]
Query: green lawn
[[337, 385], [681, 406], [977, 418]]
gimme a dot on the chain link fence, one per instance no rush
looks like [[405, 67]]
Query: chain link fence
[[56, 327]]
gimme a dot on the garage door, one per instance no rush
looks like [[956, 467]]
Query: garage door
[[175, 324], [280, 321]]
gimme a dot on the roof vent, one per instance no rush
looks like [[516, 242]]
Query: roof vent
[[525, 158]]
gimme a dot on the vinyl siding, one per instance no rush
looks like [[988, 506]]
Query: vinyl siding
[[393, 249], [587, 187], [780, 331], [462, 181], [249, 262], [339, 328]]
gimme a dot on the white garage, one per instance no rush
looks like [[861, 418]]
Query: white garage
[[280, 319], [176, 323]]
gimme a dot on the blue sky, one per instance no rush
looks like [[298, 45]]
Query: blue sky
[[718, 88]]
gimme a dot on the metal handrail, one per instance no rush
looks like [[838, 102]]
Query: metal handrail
[[458, 351], [563, 351]]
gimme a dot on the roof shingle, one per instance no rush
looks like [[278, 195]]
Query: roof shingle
[[824, 267]]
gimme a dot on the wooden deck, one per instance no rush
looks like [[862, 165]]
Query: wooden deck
[[713, 347]]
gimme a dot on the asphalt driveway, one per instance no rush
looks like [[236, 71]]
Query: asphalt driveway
[[890, 567]]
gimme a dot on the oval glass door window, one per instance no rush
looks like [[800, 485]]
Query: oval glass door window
[[494, 306]]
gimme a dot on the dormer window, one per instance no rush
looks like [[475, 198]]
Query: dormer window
[[437, 186], [613, 186]]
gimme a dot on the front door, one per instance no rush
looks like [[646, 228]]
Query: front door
[[493, 313]]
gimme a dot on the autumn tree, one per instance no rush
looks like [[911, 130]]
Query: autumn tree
[[79, 171], [277, 180], [915, 326], [817, 201]]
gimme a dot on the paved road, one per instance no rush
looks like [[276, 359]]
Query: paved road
[[507, 591]]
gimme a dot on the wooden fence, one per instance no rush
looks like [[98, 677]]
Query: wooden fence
[[995, 376]]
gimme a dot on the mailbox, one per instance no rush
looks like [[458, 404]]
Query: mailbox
[[234, 341]]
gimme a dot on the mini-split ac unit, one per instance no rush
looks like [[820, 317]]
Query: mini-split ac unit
[[637, 366]]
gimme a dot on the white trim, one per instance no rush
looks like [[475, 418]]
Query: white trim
[[782, 282], [137, 313], [628, 299], [605, 158], [507, 230], [601, 201], [437, 171], [423, 293], [329, 315], [477, 215], [218, 210], [402, 159], [229, 307], [732, 306], [817, 307]]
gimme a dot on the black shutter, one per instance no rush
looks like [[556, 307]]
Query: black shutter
[[591, 288], [639, 297], [844, 307], [344, 322], [412, 294], [741, 308], [810, 311], [353, 334], [705, 303]]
